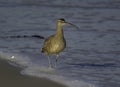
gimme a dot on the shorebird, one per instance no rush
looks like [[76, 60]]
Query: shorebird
[[56, 43]]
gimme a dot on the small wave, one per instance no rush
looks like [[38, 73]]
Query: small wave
[[95, 65], [32, 69], [59, 4], [23, 36]]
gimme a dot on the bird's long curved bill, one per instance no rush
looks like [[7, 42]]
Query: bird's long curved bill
[[72, 25]]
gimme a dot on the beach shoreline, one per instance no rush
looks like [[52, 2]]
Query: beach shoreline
[[10, 77]]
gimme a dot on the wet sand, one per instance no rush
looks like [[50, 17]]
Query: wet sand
[[10, 77]]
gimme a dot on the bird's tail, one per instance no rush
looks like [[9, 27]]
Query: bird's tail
[[42, 50]]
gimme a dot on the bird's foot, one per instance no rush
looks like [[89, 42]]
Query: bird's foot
[[50, 66], [55, 65]]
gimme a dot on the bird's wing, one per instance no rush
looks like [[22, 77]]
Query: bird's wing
[[48, 40], [47, 43]]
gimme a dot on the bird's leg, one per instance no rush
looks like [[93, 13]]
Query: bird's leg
[[49, 62], [57, 56]]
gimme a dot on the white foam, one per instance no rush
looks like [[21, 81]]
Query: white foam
[[37, 70], [52, 75], [20, 60]]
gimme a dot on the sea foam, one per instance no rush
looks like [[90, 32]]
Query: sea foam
[[32, 69]]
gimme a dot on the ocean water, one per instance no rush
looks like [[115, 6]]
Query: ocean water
[[92, 55]]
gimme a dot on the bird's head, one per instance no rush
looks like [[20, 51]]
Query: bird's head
[[62, 22]]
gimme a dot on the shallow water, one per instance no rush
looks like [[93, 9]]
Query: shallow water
[[92, 55]]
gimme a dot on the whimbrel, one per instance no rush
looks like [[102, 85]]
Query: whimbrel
[[56, 43]]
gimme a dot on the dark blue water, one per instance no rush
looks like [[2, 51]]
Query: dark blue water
[[92, 55]]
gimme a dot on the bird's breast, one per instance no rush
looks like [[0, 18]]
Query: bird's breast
[[58, 45]]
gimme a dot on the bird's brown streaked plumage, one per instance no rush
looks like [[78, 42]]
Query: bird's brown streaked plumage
[[53, 46], [55, 43]]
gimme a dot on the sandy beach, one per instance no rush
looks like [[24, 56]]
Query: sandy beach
[[10, 77]]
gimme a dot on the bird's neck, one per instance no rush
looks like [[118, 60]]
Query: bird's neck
[[59, 31]]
